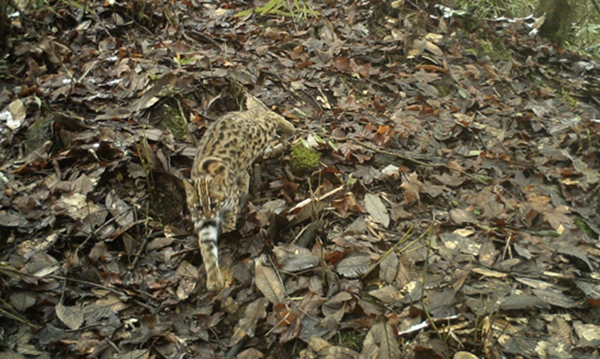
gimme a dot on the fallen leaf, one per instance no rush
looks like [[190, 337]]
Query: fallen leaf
[[246, 326], [389, 348], [377, 209], [268, 283], [72, 316], [355, 266]]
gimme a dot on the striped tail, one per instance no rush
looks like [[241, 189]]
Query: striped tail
[[207, 240]]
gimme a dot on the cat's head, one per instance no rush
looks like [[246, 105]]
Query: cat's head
[[209, 193]]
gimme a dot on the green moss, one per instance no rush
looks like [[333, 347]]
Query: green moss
[[39, 132], [567, 98], [495, 49], [585, 228], [172, 119], [304, 159], [351, 339], [444, 86]]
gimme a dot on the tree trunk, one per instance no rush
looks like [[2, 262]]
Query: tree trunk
[[4, 26], [559, 16]]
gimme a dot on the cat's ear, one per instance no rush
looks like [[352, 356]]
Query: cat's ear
[[190, 192], [252, 103]]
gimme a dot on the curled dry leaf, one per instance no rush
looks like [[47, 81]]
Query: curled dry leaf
[[292, 258], [412, 188]]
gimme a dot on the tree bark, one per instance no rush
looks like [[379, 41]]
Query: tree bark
[[559, 16], [4, 26]]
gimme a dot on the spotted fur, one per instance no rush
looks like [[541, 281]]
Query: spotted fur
[[219, 176]]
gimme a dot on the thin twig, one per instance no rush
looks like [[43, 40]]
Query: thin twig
[[389, 251], [11, 314], [318, 199]]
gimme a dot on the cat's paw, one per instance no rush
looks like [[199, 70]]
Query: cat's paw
[[215, 282]]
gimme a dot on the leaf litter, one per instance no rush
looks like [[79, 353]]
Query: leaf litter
[[454, 206]]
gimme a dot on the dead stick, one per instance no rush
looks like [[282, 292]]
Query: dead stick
[[389, 251]]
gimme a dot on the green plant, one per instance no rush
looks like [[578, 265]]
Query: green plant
[[295, 9]]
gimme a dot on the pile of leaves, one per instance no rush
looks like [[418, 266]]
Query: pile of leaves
[[452, 210]]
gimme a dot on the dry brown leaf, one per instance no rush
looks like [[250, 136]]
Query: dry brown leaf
[[464, 355], [555, 297], [72, 316], [412, 188], [11, 354], [335, 304], [589, 334], [460, 216], [490, 273], [246, 325], [188, 278], [370, 347], [388, 294], [558, 218], [377, 209], [560, 330], [103, 308], [250, 354], [388, 268], [21, 300], [355, 266], [317, 343], [268, 283], [293, 258], [336, 352], [388, 348], [133, 354]]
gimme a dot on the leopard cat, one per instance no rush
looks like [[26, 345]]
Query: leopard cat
[[219, 175]]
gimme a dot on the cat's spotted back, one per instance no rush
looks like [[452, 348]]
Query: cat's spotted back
[[219, 175]]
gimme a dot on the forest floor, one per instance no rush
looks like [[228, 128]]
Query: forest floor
[[451, 209]]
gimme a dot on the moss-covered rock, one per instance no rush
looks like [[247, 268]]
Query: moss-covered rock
[[38, 133], [172, 119], [304, 159]]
